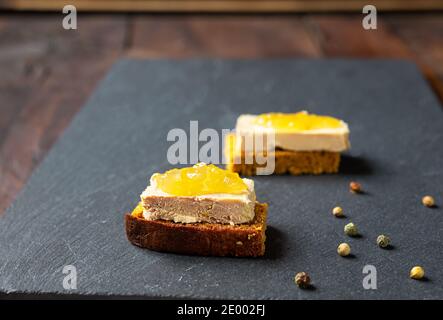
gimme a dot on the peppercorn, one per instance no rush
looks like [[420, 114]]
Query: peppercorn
[[337, 211], [355, 187], [344, 249], [302, 279], [351, 230], [428, 201], [417, 273], [383, 241]]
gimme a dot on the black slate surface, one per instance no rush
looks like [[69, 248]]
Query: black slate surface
[[71, 211]]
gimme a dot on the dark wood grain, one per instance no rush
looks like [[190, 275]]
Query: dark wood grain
[[345, 37], [222, 36], [424, 35], [223, 5], [47, 73], [418, 38]]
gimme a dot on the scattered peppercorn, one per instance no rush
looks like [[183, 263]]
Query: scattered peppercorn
[[417, 273], [355, 187], [302, 279], [344, 249], [351, 229], [383, 241], [428, 201], [337, 211]]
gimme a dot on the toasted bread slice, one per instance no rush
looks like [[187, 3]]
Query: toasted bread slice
[[286, 161], [206, 239]]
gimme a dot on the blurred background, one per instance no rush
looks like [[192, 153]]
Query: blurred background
[[47, 72]]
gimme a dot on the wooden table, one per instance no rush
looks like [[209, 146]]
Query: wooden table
[[47, 73]]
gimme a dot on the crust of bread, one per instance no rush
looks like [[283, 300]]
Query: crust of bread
[[286, 161], [205, 239]]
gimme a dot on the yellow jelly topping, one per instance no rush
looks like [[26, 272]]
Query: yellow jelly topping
[[300, 121], [138, 210], [199, 180]]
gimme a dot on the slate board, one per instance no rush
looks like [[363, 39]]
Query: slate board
[[71, 211]]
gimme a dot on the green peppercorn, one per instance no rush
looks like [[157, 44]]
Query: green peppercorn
[[383, 241], [351, 229]]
